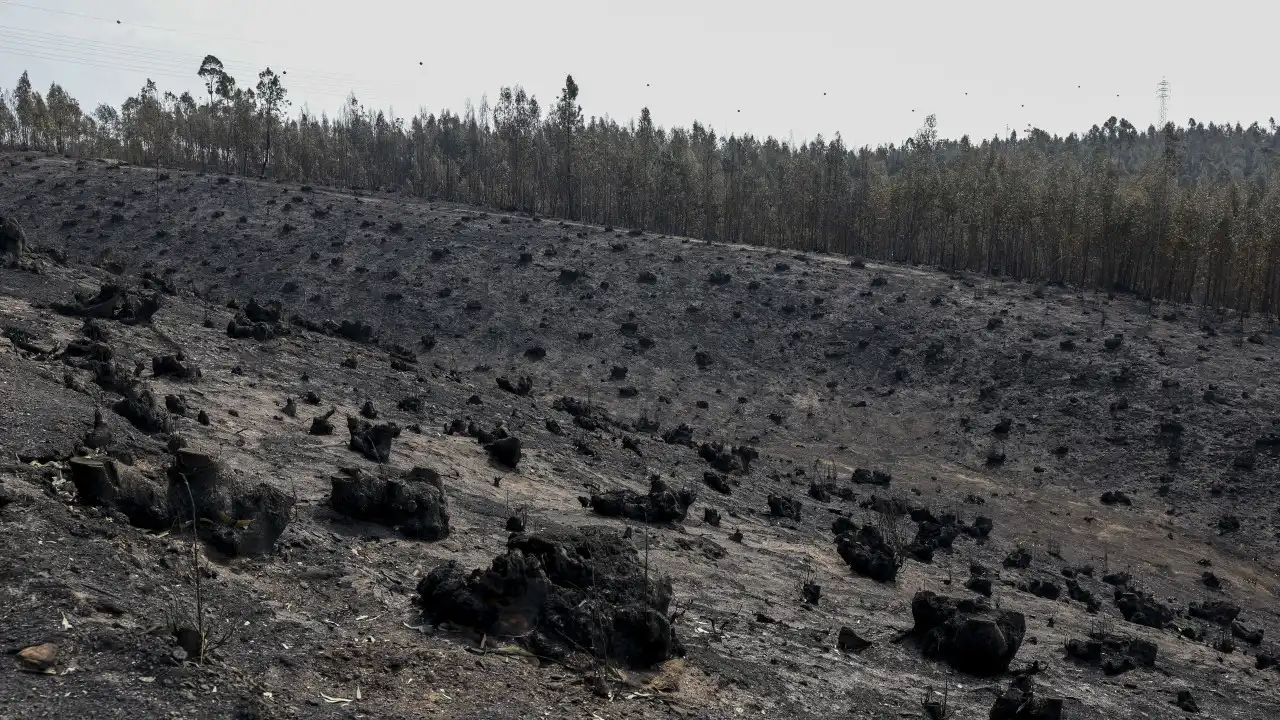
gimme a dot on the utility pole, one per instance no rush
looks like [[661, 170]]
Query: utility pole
[[1162, 92]]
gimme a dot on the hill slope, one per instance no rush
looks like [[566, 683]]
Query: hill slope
[[1007, 401]]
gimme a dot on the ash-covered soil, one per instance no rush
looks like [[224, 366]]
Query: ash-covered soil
[[1103, 469]]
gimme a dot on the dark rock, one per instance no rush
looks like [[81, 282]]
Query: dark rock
[[102, 481], [1042, 588], [372, 441], [871, 477], [88, 349], [820, 491], [1246, 634], [1220, 612], [1139, 608], [785, 507], [1115, 497], [236, 518], [891, 506], [505, 451], [849, 641], [1081, 594], [1114, 654], [368, 410], [922, 514], [1186, 701], [414, 504], [110, 376], [1118, 579], [811, 592], [586, 416], [175, 404], [980, 528], [557, 593], [522, 386], [357, 331], [717, 482], [402, 358], [661, 504], [258, 322], [321, 425], [980, 585], [932, 536], [971, 636], [140, 408], [113, 302], [632, 444], [711, 516], [175, 366], [1019, 702], [1019, 558], [867, 554], [13, 240], [736, 459], [239, 327], [682, 435], [100, 436]]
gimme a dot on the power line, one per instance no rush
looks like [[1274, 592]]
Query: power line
[[135, 52], [54, 47], [121, 22], [124, 62], [26, 50]]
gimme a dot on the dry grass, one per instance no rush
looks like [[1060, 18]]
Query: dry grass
[[669, 675]]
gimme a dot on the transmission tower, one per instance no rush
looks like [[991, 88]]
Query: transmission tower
[[1162, 92]]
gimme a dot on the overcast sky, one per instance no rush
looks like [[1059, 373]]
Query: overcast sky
[[870, 70]]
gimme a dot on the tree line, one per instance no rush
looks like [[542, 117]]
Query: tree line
[[1187, 213]]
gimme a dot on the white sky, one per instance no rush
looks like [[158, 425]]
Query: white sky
[[736, 65]]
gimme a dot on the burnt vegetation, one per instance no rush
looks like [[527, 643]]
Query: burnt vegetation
[[1117, 207], [586, 438]]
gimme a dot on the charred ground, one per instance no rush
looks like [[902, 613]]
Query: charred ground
[[753, 382]]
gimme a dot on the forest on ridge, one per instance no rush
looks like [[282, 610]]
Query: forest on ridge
[[1186, 213]]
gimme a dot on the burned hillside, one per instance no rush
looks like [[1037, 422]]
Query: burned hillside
[[831, 478]]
